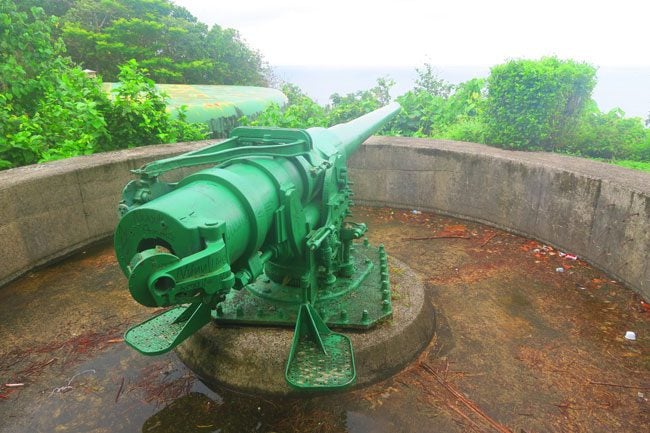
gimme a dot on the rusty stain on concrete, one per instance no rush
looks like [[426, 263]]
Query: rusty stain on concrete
[[520, 347]]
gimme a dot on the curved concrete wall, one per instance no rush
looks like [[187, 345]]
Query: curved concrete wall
[[598, 211], [48, 211], [595, 210]]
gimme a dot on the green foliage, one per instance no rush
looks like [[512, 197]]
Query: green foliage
[[164, 38], [456, 116], [50, 109], [300, 112], [421, 114], [531, 105], [537, 104], [70, 119], [610, 136], [428, 81], [635, 165], [350, 106], [470, 130], [303, 112], [137, 115]]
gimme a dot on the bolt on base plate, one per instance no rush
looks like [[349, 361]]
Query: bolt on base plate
[[358, 302]]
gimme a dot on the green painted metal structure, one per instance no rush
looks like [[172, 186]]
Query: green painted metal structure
[[261, 238], [220, 107]]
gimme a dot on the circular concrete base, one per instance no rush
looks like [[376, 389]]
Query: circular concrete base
[[253, 359]]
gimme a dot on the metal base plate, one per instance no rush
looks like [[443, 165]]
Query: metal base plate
[[358, 302]]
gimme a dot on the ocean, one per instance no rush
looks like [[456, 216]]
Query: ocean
[[627, 88]]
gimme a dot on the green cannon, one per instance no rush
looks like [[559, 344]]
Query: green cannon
[[262, 237]]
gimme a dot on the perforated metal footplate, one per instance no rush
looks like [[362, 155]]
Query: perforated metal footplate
[[319, 358], [311, 368], [163, 332]]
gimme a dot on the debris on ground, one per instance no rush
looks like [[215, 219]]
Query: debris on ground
[[567, 256], [68, 387]]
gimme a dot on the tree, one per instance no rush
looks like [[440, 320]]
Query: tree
[[233, 61], [537, 104], [429, 81], [50, 109], [163, 37], [350, 106]]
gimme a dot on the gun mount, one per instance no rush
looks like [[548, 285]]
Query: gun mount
[[261, 238]]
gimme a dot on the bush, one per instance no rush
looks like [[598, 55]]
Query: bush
[[535, 105], [138, 114], [300, 112], [610, 136], [422, 114], [50, 109], [345, 108], [471, 130]]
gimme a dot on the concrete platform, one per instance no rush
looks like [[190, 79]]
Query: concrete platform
[[532, 348], [253, 359]]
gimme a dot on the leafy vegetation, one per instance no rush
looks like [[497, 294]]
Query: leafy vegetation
[[162, 37], [50, 109], [635, 165], [524, 104], [537, 104]]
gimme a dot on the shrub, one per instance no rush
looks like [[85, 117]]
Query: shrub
[[537, 104], [609, 135]]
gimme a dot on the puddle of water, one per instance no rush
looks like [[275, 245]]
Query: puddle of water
[[519, 347]]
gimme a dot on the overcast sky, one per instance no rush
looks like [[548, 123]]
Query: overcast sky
[[349, 33]]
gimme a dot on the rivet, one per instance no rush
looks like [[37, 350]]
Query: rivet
[[365, 316]]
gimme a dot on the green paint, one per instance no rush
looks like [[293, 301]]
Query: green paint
[[260, 238]]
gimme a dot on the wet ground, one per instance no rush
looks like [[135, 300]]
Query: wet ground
[[528, 340]]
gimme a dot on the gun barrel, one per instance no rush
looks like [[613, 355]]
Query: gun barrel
[[347, 137], [242, 202]]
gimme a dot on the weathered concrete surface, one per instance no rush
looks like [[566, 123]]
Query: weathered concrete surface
[[253, 359], [598, 211], [595, 210], [50, 210], [534, 349]]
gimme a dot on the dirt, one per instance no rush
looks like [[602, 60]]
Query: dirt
[[520, 346]]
